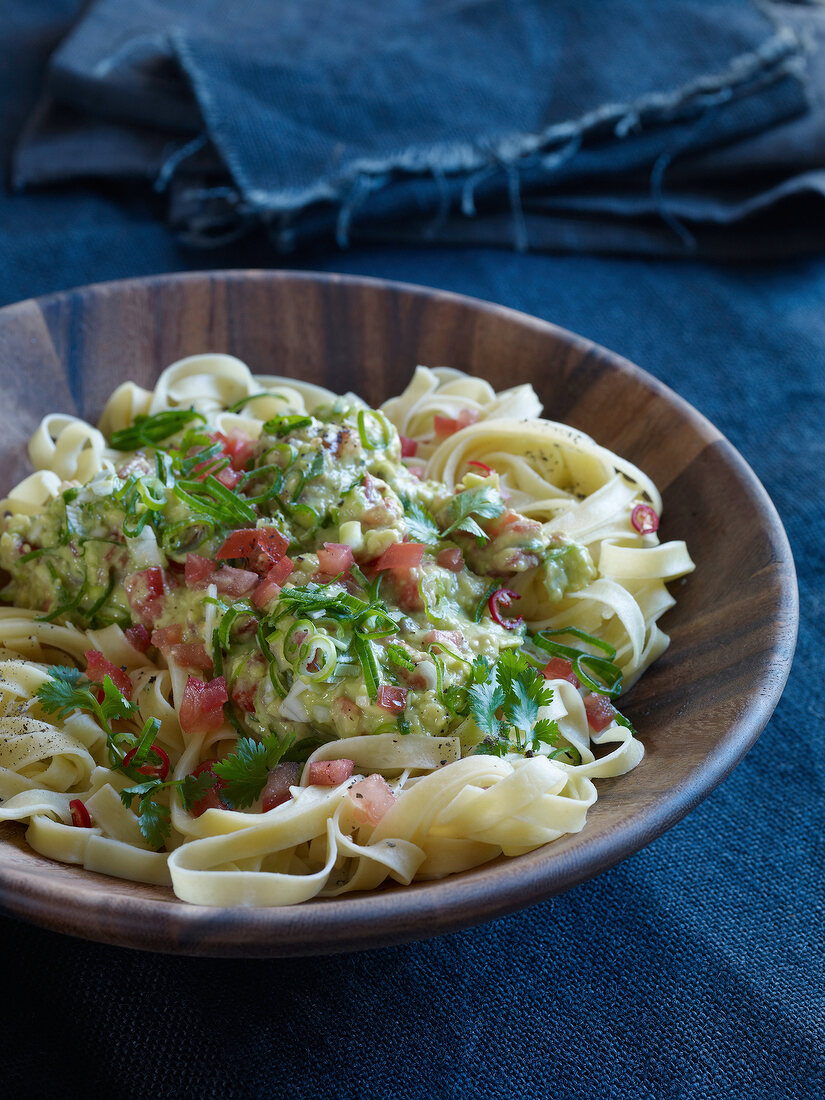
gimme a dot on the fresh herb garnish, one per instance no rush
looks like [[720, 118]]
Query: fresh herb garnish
[[506, 704], [421, 526], [282, 425], [483, 501], [246, 769], [146, 431]]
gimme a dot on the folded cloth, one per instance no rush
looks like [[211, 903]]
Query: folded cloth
[[613, 125]]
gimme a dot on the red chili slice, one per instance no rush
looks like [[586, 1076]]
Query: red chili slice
[[392, 698], [503, 598], [485, 469], [644, 519], [154, 771], [80, 815]]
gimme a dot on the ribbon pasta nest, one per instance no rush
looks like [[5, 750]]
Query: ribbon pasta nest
[[262, 642]]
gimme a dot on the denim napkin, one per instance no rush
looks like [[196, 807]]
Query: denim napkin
[[618, 124]]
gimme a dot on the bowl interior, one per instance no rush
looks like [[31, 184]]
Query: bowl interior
[[697, 710]]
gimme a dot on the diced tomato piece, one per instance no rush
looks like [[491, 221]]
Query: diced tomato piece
[[347, 716], [228, 477], [138, 637], [270, 585], [417, 471], [238, 446], [167, 636], [446, 637], [329, 773], [451, 559], [97, 667], [198, 571], [192, 655], [243, 695], [409, 447], [513, 523], [211, 799], [392, 698], [334, 558], [371, 799], [449, 425], [600, 711], [202, 708], [262, 546], [80, 815], [146, 591], [409, 596], [283, 776], [559, 668], [401, 556], [234, 582]]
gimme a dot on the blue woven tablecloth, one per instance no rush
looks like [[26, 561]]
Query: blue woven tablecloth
[[692, 970]]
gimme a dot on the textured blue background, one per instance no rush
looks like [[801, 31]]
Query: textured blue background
[[695, 968]]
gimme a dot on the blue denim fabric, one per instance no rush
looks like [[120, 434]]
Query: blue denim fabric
[[431, 120], [693, 970]]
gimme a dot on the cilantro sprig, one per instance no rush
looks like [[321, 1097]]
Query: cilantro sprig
[[506, 705], [421, 526], [483, 502], [246, 770]]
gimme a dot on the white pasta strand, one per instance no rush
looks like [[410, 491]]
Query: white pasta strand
[[450, 811]]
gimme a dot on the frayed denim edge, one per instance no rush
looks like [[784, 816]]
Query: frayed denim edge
[[783, 52]]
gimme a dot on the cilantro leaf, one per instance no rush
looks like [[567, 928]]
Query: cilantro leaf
[[485, 699], [154, 820], [525, 690], [421, 526], [62, 693], [483, 501], [246, 770], [192, 788]]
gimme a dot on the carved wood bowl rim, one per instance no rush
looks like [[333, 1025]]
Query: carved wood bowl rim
[[75, 902]]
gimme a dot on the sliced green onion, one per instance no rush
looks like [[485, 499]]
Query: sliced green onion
[[367, 441], [292, 644], [369, 665], [283, 425], [146, 431], [400, 657], [254, 397], [308, 655]]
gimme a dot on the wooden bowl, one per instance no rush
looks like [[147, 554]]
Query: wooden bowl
[[698, 710]]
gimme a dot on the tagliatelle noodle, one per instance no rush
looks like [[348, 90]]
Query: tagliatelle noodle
[[450, 812]]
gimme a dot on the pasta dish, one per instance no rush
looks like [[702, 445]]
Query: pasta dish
[[261, 642]]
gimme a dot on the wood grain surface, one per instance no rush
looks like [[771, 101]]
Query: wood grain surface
[[698, 710]]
